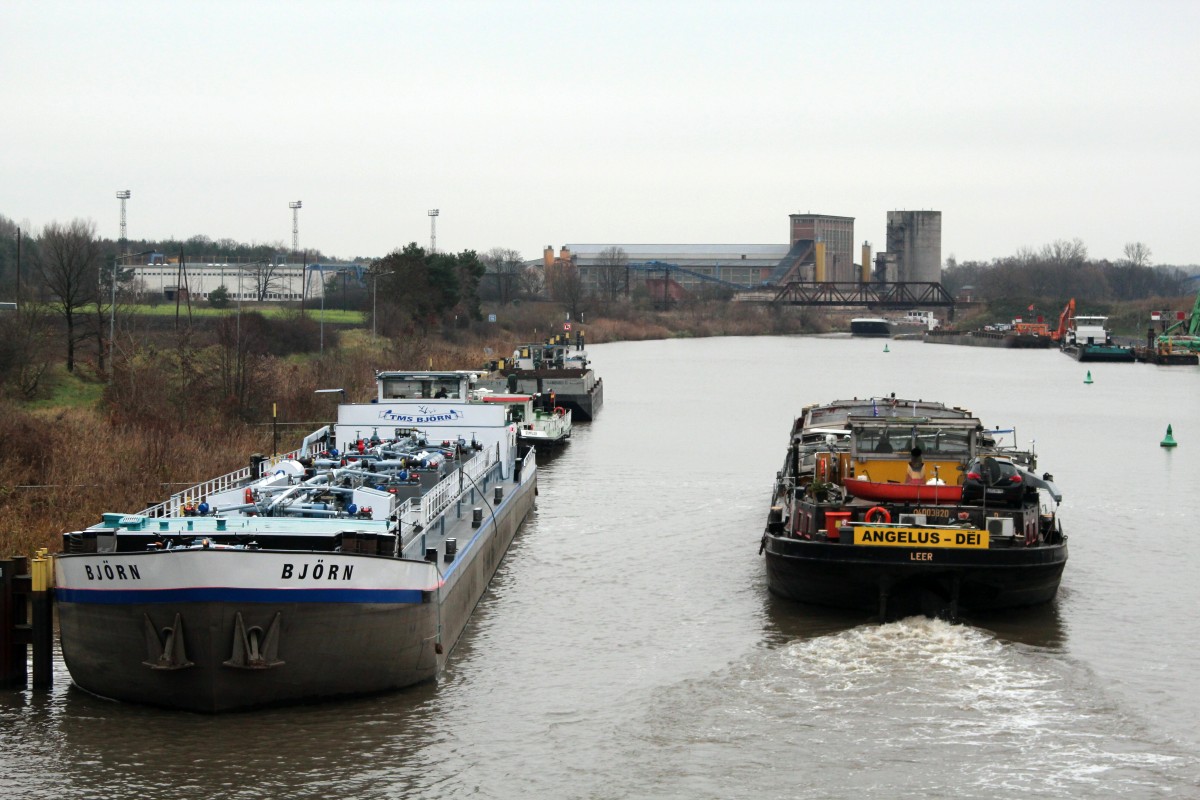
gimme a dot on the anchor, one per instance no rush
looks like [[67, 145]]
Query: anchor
[[168, 655], [252, 649]]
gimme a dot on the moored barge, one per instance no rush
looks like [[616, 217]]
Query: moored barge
[[556, 369], [349, 566], [902, 507], [1087, 339]]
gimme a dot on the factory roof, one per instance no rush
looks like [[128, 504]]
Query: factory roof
[[679, 253]]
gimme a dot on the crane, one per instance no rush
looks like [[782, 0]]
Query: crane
[[1186, 339], [1064, 322]]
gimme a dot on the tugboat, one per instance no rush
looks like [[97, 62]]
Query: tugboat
[[348, 566], [903, 507]]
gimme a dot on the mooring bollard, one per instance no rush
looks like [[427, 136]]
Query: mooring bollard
[[42, 601]]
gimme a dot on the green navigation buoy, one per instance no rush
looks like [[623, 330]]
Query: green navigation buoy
[[1168, 440], [885, 349], [1088, 379]]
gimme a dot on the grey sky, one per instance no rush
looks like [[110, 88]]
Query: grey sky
[[535, 123]]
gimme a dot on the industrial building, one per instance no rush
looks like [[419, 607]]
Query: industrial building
[[820, 248], [836, 234], [265, 280], [731, 266]]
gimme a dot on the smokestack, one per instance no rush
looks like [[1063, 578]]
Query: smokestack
[[820, 272], [866, 262]]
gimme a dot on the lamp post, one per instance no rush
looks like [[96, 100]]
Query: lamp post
[[112, 306], [374, 295], [341, 392], [324, 286]]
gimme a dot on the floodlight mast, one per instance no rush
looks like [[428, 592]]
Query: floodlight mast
[[433, 215], [123, 195], [295, 207]]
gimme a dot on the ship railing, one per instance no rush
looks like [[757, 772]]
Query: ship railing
[[173, 505], [528, 464], [417, 514], [450, 488]]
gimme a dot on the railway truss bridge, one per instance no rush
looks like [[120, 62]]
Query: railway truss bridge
[[909, 294]]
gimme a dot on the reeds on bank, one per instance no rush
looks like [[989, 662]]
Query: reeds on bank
[[176, 413]]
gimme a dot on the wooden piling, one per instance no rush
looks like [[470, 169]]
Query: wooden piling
[[13, 624], [26, 620]]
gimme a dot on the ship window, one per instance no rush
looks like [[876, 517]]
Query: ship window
[[873, 440], [944, 442]]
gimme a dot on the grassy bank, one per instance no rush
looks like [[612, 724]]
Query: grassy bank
[[164, 421], [174, 416]]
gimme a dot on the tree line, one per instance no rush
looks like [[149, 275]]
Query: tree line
[[1061, 270], [75, 291], [74, 295]]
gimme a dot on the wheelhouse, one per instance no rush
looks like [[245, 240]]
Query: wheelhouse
[[880, 447]]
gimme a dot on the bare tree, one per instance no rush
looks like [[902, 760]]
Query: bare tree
[[566, 287], [69, 265], [612, 274], [23, 360], [1137, 254], [533, 281], [1073, 253], [265, 278], [504, 266]]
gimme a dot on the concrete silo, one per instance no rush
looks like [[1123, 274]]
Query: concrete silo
[[914, 239]]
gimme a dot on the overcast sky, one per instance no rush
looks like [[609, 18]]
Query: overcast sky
[[542, 123]]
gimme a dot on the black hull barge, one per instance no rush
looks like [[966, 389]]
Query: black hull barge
[[848, 528], [554, 369]]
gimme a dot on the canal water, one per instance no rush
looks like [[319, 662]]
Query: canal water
[[628, 646]]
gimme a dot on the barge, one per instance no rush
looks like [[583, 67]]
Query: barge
[[870, 326], [911, 326], [1088, 340], [554, 367], [901, 507], [349, 566], [986, 338]]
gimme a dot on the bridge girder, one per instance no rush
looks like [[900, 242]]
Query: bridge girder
[[907, 294]]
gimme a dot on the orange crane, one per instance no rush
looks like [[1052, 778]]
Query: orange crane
[[1064, 321]]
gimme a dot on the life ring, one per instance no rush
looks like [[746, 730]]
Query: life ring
[[559, 411], [870, 515]]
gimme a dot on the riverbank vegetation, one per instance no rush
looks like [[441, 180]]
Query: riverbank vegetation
[[113, 406], [182, 405]]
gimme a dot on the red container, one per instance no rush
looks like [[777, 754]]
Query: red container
[[832, 520]]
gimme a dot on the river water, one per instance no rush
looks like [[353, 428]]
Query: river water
[[628, 646]]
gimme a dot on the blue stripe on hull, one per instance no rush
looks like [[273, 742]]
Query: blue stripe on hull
[[235, 595]]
